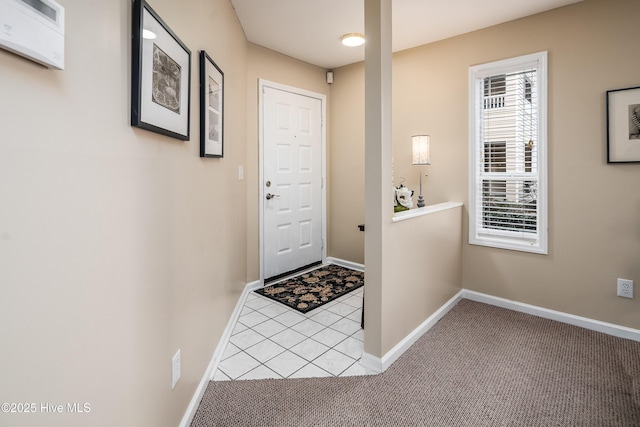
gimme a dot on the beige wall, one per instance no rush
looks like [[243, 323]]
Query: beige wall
[[346, 241], [117, 245], [272, 66], [425, 255], [594, 233], [594, 210]]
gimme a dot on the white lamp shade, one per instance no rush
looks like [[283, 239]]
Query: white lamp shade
[[420, 150]]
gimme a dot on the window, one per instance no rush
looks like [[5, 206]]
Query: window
[[495, 90], [528, 96], [507, 146]]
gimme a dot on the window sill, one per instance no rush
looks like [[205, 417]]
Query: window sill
[[521, 245], [413, 213]]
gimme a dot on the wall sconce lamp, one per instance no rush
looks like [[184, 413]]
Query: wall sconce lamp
[[420, 144]]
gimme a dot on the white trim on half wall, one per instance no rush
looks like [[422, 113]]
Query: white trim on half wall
[[377, 365]]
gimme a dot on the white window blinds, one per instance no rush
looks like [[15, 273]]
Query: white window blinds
[[508, 152]]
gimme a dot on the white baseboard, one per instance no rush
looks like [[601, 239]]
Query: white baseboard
[[373, 364], [376, 365], [217, 355], [583, 322], [344, 263]]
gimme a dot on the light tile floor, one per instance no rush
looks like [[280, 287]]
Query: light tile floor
[[271, 340]]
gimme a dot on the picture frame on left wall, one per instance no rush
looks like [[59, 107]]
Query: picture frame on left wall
[[211, 108], [160, 76]]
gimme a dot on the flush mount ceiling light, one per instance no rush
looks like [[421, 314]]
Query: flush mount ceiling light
[[352, 39]]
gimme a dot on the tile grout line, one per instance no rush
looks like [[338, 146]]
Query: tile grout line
[[289, 326]]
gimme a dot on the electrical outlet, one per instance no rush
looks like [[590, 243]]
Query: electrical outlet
[[175, 369], [625, 288]]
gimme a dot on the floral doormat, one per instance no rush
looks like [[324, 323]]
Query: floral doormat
[[315, 288]]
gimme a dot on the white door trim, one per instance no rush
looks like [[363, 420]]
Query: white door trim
[[261, 193]]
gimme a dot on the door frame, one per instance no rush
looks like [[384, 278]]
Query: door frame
[[262, 84]]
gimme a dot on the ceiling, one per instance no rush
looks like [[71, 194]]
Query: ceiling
[[310, 30]]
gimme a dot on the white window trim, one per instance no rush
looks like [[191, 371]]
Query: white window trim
[[477, 74]]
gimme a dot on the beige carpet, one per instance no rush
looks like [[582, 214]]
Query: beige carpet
[[479, 366]]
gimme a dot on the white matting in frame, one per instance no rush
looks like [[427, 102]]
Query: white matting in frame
[[161, 70], [211, 108]]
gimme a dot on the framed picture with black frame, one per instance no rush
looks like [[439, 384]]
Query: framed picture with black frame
[[160, 76], [623, 125], [211, 108]]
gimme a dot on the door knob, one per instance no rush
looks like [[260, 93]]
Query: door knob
[[271, 196]]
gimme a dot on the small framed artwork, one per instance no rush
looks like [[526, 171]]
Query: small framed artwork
[[623, 125], [160, 76], [211, 108]]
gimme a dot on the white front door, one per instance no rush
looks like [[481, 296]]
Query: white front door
[[292, 180]]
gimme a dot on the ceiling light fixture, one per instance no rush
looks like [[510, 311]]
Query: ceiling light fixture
[[352, 39]]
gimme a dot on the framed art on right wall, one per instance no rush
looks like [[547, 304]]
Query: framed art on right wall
[[623, 125]]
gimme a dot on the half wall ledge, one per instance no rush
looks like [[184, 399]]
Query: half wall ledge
[[413, 213]]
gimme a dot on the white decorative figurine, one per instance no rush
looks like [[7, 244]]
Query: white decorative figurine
[[402, 198]]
